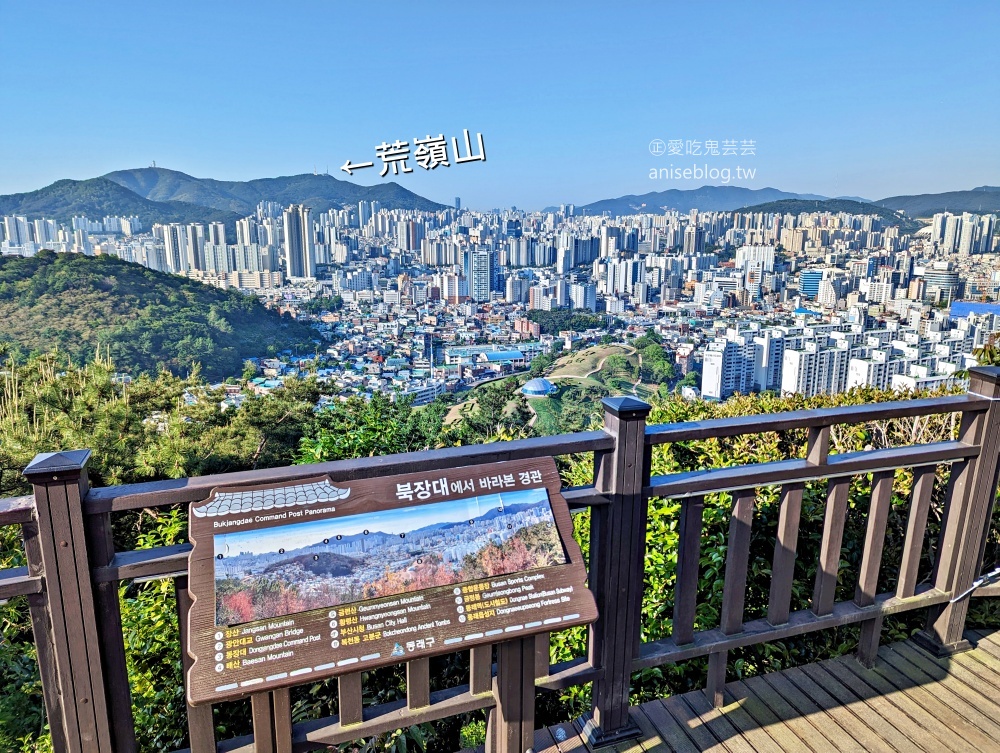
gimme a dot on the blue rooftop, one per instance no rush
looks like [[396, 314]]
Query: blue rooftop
[[961, 309], [504, 355]]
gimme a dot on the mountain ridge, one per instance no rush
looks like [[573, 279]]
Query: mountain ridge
[[489, 515], [158, 194], [706, 198], [979, 200], [320, 191], [97, 197], [797, 206], [728, 198], [161, 195]]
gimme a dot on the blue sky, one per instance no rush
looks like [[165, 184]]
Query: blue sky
[[399, 520], [870, 99]]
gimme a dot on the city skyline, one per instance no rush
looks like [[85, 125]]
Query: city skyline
[[391, 521], [837, 101]]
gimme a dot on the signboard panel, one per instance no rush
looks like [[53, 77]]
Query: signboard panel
[[308, 580]]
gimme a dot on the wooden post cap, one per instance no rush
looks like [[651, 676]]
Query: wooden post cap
[[63, 463]]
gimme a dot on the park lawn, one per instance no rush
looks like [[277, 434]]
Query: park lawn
[[548, 410], [645, 391], [455, 412], [584, 361], [583, 382]]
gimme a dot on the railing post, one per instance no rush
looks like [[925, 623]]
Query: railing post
[[972, 492], [617, 554], [60, 484], [512, 723], [108, 612]]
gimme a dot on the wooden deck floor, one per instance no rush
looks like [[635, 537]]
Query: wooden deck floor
[[910, 701]]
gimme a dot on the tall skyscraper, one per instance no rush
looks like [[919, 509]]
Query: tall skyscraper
[[952, 233], [481, 271], [45, 230], [987, 226], [937, 227], [968, 242], [583, 296], [195, 240], [298, 242], [217, 234], [246, 231], [458, 202], [16, 230], [175, 247], [694, 240]]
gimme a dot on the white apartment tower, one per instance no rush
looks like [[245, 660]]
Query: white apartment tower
[[815, 369], [299, 261]]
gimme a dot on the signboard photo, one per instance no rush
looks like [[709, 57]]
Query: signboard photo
[[312, 579]]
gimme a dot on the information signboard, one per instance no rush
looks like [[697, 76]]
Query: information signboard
[[307, 580]]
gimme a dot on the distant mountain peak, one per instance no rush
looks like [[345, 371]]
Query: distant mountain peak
[[320, 191], [159, 194], [728, 198], [705, 198]]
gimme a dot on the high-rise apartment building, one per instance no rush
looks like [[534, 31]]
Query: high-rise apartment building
[[816, 368], [175, 247], [746, 255], [246, 231], [694, 240], [583, 296], [481, 272], [299, 260], [728, 367], [216, 234], [952, 233], [194, 236]]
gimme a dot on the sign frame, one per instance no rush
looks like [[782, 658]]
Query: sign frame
[[233, 660]]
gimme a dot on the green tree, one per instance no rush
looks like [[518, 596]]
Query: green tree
[[650, 338], [497, 409], [361, 428], [989, 353], [559, 320], [540, 363], [249, 371], [691, 379]]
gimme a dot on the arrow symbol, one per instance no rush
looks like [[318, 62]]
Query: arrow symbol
[[347, 166]]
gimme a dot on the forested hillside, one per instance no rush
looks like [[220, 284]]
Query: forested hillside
[[146, 320], [321, 192], [159, 195], [97, 197]]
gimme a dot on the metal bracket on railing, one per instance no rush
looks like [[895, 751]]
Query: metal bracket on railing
[[993, 576]]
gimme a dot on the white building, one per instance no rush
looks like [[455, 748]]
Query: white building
[[815, 369]]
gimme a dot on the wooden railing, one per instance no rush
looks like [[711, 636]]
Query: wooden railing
[[73, 574]]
